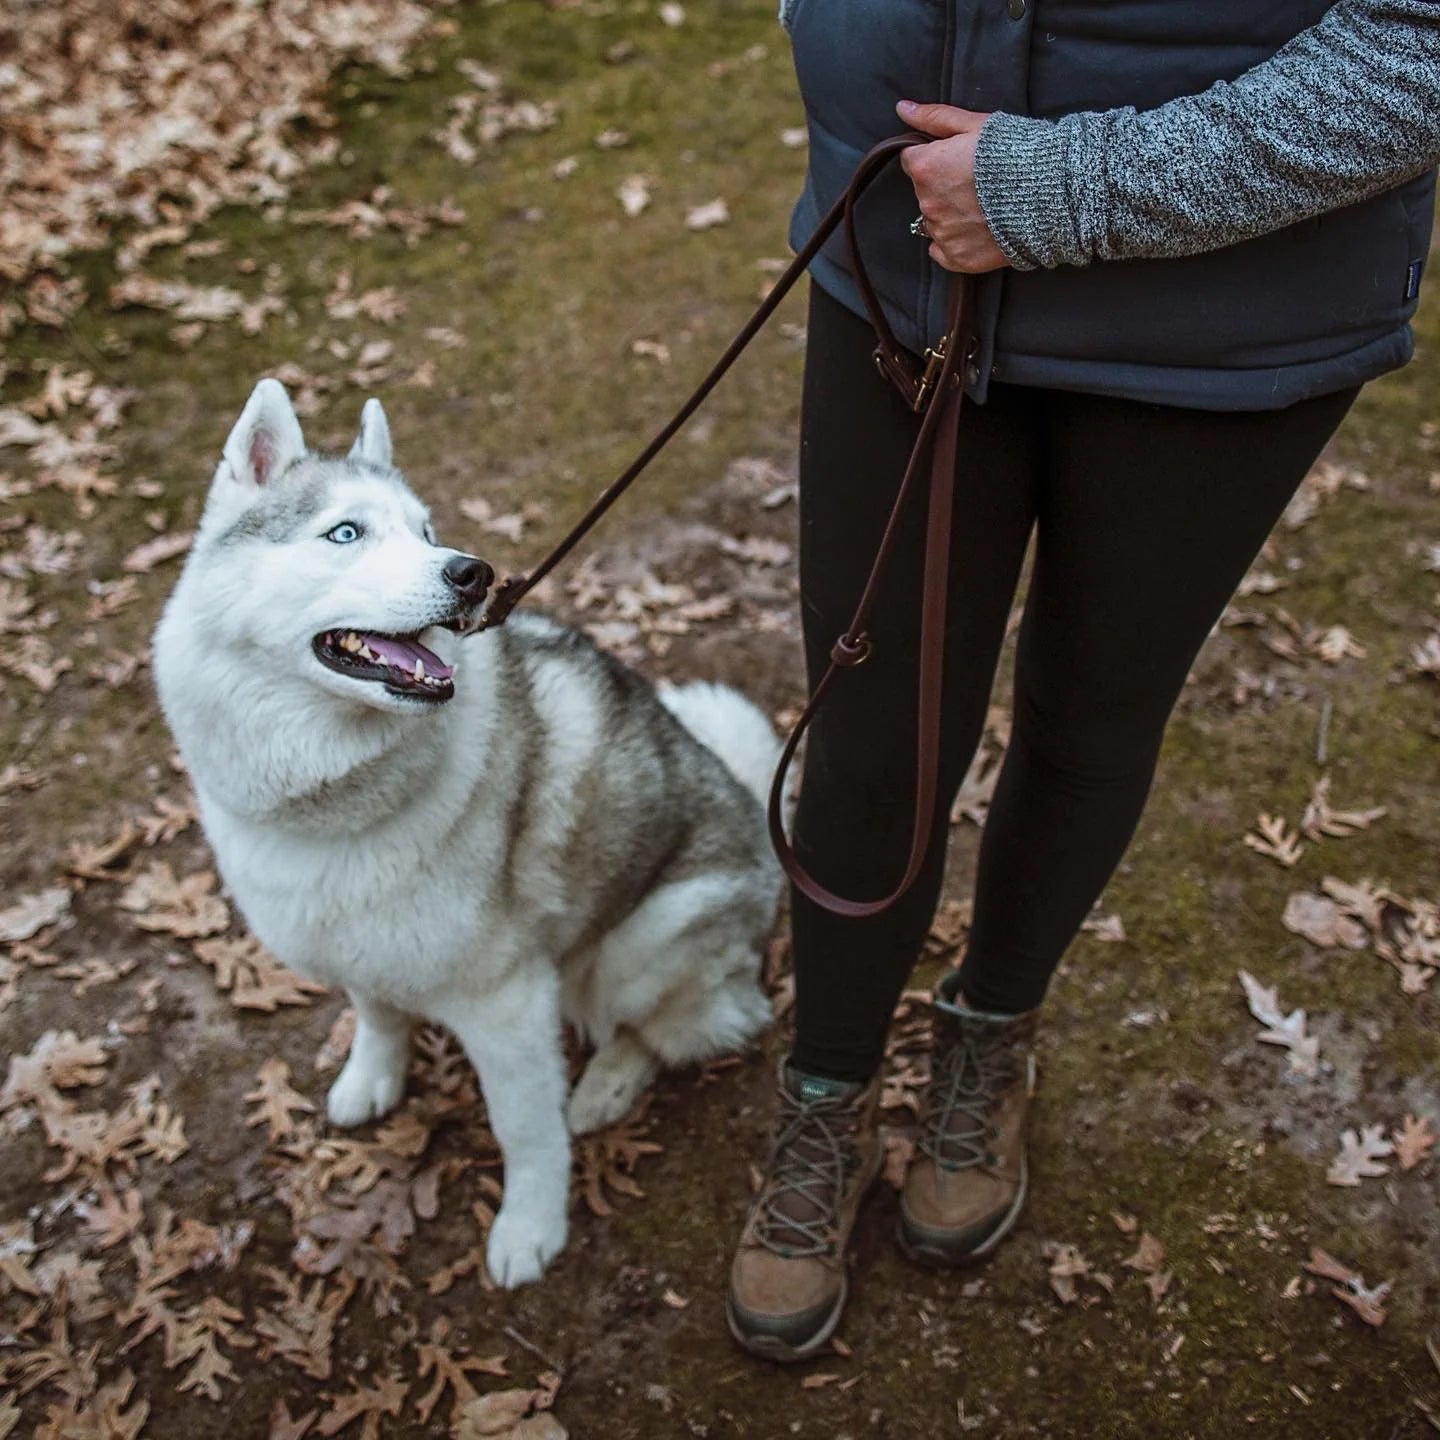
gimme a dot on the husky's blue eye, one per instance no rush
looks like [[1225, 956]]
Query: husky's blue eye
[[345, 533]]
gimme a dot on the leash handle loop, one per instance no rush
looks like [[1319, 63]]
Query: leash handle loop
[[938, 435]]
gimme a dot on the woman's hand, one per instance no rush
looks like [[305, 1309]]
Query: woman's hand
[[943, 174]]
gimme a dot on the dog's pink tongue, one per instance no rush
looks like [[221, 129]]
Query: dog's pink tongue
[[403, 654]]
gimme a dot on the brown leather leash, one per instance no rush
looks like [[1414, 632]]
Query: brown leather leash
[[936, 391]]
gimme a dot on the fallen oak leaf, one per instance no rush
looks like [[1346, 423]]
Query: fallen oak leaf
[[93, 862], [450, 1370], [284, 1426], [254, 979], [634, 194], [1413, 1140], [59, 1060], [186, 908], [1358, 1157], [1321, 920], [115, 1216], [97, 1416], [17, 1244], [1275, 840], [1319, 819], [384, 1398], [274, 1100], [706, 217], [145, 557], [1281, 1029], [1067, 1265], [301, 1328], [494, 1414], [33, 913]]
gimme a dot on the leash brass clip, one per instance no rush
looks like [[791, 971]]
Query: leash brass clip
[[934, 363]]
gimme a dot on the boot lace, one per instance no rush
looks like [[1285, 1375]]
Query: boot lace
[[975, 1063], [812, 1160]]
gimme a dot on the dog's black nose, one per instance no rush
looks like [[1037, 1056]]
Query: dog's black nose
[[468, 577]]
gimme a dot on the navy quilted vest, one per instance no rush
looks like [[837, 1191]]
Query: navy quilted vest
[[1313, 308]]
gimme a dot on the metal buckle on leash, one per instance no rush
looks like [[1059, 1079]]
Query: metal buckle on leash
[[934, 363]]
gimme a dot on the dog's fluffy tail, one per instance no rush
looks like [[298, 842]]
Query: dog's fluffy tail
[[724, 721]]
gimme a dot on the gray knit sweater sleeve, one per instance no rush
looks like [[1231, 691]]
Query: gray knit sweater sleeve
[[1347, 109]]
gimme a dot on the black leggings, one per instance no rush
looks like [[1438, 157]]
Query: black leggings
[[1147, 517]]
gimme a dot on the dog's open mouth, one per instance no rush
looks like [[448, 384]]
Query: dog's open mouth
[[399, 662]]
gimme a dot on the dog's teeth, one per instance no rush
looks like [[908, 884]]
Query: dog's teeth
[[419, 669], [350, 642]]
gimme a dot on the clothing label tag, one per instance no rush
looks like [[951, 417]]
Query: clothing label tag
[[1412, 279]]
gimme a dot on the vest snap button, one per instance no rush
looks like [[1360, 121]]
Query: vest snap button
[[1015, 9]]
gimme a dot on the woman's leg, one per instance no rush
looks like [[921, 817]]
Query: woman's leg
[[1149, 517], [853, 825], [788, 1281]]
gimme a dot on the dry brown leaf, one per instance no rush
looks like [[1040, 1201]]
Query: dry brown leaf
[[17, 1245], [114, 1216], [98, 1416], [1359, 1156], [1413, 1140], [144, 558], [1107, 928], [449, 1370], [510, 1415], [93, 862], [284, 1426], [1287, 1030], [1067, 1265], [607, 1162], [634, 194], [253, 978], [1275, 840], [32, 913], [274, 1100], [1320, 920], [59, 1060], [385, 1397], [196, 1341], [707, 216], [301, 1328], [186, 908], [1148, 1257], [1320, 820]]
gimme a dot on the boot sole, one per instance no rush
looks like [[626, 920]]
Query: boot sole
[[935, 1257], [772, 1347]]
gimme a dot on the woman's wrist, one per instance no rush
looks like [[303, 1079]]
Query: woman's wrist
[[1021, 182]]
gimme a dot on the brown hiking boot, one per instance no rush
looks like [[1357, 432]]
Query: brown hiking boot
[[966, 1185], [788, 1281]]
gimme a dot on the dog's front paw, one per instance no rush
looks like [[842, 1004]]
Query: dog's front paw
[[364, 1092], [521, 1246]]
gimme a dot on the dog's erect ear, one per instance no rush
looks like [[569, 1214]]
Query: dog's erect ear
[[372, 444], [266, 437]]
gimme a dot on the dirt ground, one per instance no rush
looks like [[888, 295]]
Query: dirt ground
[[169, 1270]]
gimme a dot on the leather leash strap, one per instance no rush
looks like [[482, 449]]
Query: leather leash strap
[[937, 392], [939, 435]]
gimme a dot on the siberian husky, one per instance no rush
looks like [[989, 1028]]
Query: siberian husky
[[501, 833]]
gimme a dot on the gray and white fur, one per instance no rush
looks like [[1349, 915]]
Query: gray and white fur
[[535, 840]]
